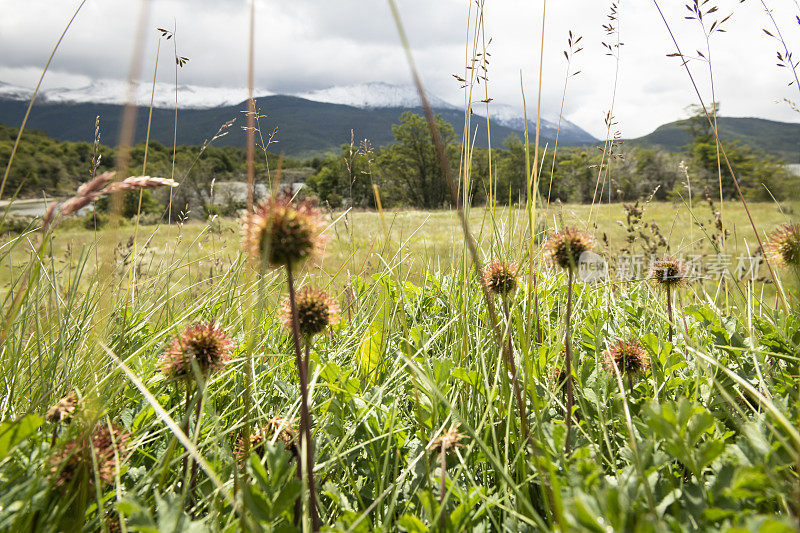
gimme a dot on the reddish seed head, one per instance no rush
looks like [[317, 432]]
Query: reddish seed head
[[564, 249], [449, 439], [203, 342], [628, 356], [784, 245], [500, 277], [316, 310], [282, 232], [668, 273], [75, 460]]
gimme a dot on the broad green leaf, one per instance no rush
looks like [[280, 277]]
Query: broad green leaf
[[16, 431]]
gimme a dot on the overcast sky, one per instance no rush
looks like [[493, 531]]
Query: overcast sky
[[314, 44]]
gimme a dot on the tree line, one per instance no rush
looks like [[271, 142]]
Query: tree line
[[407, 172]]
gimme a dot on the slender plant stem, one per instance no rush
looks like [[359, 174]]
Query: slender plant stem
[[724, 155], [568, 360], [307, 443], [669, 313], [442, 489]]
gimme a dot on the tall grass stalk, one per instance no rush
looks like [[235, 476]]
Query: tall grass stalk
[[724, 154]]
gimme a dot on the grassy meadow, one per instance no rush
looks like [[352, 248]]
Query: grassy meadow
[[703, 436], [403, 369]]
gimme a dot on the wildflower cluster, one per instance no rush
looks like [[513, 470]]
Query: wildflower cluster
[[316, 310], [784, 245], [500, 277], [628, 356], [63, 410], [564, 249], [202, 343], [101, 449], [281, 232], [668, 273]]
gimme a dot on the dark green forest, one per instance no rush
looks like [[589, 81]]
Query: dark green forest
[[407, 173]]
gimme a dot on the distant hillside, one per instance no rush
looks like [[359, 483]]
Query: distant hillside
[[305, 128], [780, 139]]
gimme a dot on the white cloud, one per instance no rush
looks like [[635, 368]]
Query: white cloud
[[308, 45]]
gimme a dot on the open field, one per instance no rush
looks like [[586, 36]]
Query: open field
[[419, 242], [562, 367], [414, 357]]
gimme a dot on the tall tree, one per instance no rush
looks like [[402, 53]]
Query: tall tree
[[410, 164]]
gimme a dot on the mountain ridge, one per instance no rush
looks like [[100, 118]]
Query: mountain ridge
[[779, 139]]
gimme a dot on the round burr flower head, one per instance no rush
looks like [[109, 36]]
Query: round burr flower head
[[279, 428], [204, 343], [500, 277], [75, 460], [316, 310], [668, 273], [282, 232], [784, 245], [63, 410], [564, 249], [628, 356]]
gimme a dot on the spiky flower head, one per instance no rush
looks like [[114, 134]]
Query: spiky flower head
[[204, 343], [500, 277], [282, 232], [316, 310], [628, 356], [668, 273], [449, 439], [564, 249], [278, 428], [106, 444], [784, 245], [63, 410]]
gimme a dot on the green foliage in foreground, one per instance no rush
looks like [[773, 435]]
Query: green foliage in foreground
[[706, 439]]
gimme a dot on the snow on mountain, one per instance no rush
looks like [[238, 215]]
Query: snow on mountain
[[12, 92], [513, 117], [116, 91], [106, 91], [366, 95], [371, 95]]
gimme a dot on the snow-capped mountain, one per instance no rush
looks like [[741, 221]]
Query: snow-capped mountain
[[107, 91], [514, 118], [373, 95], [378, 97], [12, 92]]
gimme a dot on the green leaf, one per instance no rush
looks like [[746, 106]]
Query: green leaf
[[14, 432], [411, 524], [286, 496], [370, 352]]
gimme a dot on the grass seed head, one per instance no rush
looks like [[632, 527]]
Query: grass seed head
[[316, 310], [63, 410], [75, 460], [628, 356], [500, 277], [282, 232], [449, 439], [668, 273], [784, 245], [564, 249], [203, 342]]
